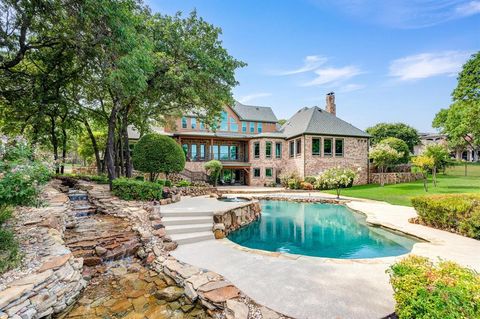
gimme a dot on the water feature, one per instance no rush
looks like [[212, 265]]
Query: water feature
[[120, 285], [322, 230], [233, 199]]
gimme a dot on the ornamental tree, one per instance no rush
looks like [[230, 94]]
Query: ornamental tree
[[213, 169], [400, 146], [336, 178], [155, 153], [440, 155], [383, 156], [424, 164]]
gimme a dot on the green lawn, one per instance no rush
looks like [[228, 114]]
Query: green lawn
[[400, 194]]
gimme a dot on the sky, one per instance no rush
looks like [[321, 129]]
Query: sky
[[386, 60]]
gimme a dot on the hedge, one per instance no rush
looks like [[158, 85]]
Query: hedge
[[458, 213], [99, 179], [424, 290], [131, 189]]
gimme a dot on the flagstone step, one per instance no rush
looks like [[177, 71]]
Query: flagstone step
[[192, 237], [189, 228], [185, 213], [169, 221]]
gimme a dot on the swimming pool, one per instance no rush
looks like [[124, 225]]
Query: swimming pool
[[321, 230]]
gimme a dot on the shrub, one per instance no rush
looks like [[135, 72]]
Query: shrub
[[336, 178], [383, 156], [131, 189], [424, 164], [294, 183], [425, 290], [155, 153], [310, 179], [400, 146], [183, 183], [213, 169], [306, 186], [454, 212], [139, 178], [9, 249], [99, 179], [285, 177]]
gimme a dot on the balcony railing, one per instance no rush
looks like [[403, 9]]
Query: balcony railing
[[221, 159]]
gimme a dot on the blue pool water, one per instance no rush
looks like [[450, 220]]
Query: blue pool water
[[322, 230]]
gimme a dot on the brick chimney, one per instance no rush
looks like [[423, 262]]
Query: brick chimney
[[331, 108]]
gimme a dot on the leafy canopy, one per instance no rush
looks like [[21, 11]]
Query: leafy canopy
[[400, 146], [401, 131], [383, 156]]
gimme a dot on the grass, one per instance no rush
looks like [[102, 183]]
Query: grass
[[400, 194]]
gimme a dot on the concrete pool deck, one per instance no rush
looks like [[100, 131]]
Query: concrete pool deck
[[312, 287]]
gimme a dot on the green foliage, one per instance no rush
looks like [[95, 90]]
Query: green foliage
[[424, 164], [213, 169], [439, 154], [401, 131], [294, 183], [400, 146], [131, 189], [183, 183], [155, 153], [9, 248], [310, 179], [424, 290], [457, 212], [335, 178], [99, 179], [383, 156], [85, 146], [286, 177]]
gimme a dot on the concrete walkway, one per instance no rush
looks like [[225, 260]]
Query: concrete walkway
[[309, 287]]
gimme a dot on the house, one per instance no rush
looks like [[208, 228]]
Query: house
[[466, 153], [256, 150]]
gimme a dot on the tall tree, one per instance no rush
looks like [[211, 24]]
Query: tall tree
[[401, 131]]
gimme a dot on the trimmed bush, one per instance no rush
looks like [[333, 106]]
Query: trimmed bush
[[400, 146], [458, 213], [155, 153], [183, 183], [131, 189], [424, 290], [99, 179], [294, 183], [306, 186], [310, 179]]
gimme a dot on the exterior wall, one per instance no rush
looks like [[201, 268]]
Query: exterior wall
[[355, 156], [277, 164]]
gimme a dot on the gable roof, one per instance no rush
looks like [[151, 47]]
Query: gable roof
[[254, 113], [314, 120]]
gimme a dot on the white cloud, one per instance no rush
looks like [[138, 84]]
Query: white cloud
[[254, 96], [468, 9], [351, 87], [425, 65], [331, 75], [310, 63]]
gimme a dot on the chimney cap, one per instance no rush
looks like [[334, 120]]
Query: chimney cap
[[331, 93]]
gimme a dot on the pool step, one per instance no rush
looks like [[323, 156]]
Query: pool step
[[189, 228], [170, 221], [185, 214], [190, 238]]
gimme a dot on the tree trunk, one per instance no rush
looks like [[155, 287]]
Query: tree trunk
[[54, 143], [434, 176], [128, 162], [110, 152], [425, 180], [95, 147], [64, 150]]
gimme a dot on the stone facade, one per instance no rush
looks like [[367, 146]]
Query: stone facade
[[228, 221]]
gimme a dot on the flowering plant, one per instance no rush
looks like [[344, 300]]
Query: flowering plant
[[336, 178]]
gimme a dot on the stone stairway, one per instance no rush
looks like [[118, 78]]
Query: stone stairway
[[188, 227]]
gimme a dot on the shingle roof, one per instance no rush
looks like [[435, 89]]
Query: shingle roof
[[254, 113], [314, 120]]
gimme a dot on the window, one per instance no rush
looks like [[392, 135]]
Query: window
[[278, 150], [224, 152], [185, 149], [252, 127], [268, 149], [215, 151], [315, 146], [292, 148], [259, 127], [268, 172], [202, 152], [244, 127], [339, 147], [298, 148], [224, 122], [327, 147], [193, 123], [233, 152], [184, 122], [256, 150], [193, 151], [256, 172], [202, 125], [233, 125]]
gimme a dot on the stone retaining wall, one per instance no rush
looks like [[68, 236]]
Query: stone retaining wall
[[395, 178], [50, 278], [303, 199], [228, 221]]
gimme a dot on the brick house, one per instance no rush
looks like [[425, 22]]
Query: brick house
[[255, 150]]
